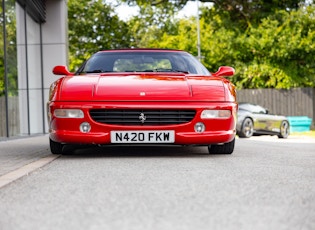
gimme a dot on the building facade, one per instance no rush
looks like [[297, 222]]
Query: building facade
[[33, 40]]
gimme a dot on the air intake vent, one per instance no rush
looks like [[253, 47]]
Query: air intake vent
[[141, 116]]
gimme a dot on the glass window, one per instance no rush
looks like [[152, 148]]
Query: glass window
[[8, 73], [3, 118], [148, 64]]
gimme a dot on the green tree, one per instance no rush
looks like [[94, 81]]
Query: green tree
[[152, 21], [274, 49], [280, 51], [277, 53], [94, 26], [249, 12], [242, 12]]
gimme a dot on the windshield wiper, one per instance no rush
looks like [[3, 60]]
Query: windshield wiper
[[171, 70], [98, 71]]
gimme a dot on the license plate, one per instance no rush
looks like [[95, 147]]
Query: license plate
[[163, 136]]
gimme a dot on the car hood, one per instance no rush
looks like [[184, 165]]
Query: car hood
[[143, 87]]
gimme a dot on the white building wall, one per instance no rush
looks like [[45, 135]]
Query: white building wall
[[22, 68], [55, 42], [33, 55]]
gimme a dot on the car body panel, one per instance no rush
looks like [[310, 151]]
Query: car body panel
[[142, 87]]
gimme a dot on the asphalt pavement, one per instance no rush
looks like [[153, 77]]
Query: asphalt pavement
[[267, 183], [18, 152]]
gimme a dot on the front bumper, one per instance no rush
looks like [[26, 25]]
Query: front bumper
[[181, 138], [67, 131]]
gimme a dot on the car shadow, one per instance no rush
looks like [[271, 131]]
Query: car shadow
[[135, 151]]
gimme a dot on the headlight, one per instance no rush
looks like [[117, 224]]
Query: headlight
[[68, 113], [210, 114]]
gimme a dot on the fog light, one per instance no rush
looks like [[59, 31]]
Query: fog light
[[200, 127], [85, 127]]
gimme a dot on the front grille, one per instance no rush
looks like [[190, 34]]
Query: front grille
[[142, 116]]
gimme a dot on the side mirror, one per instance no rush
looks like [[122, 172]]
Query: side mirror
[[224, 71], [61, 70]]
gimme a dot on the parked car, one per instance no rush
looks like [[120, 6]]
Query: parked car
[[256, 120], [143, 96]]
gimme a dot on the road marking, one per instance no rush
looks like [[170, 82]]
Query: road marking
[[25, 170]]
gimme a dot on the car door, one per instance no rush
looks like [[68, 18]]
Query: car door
[[263, 121]]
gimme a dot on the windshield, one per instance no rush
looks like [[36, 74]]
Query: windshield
[[252, 108], [143, 61]]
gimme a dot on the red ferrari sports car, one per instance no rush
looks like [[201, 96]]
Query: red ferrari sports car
[[142, 96]]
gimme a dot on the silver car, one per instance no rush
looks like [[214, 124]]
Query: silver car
[[256, 120]]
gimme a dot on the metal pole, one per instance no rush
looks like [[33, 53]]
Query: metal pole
[[27, 76], [42, 75], [198, 32]]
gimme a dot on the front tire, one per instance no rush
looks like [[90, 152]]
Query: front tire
[[247, 129], [55, 147], [284, 130], [226, 148]]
